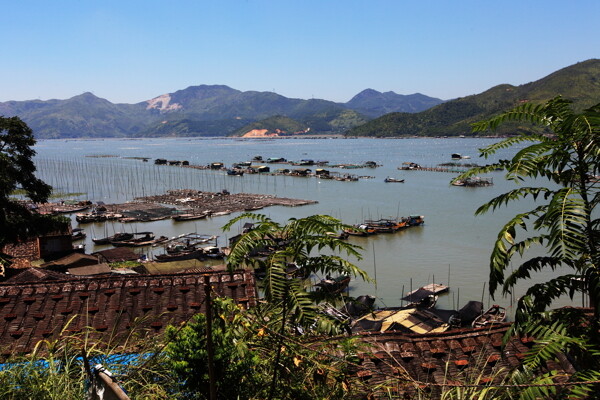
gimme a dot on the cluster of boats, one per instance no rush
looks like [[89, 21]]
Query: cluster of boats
[[97, 216], [419, 316], [189, 247], [385, 225], [136, 239], [474, 181], [247, 167]]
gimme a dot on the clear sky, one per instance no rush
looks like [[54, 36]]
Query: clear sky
[[128, 51]]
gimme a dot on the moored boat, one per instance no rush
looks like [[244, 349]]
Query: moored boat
[[235, 172], [139, 239], [494, 314], [119, 236], [388, 180], [78, 234], [189, 216], [190, 254], [333, 285], [360, 230]]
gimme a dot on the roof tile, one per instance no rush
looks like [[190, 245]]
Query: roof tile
[[107, 304]]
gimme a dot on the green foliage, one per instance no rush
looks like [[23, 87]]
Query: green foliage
[[580, 82], [248, 351], [188, 127], [565, 223], [55, 370], [17, 171], [304, 242], [232, 332]]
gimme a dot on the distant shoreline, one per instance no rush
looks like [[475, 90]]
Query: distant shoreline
[[272, 138]]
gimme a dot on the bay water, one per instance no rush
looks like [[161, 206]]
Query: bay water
[[453, 247]]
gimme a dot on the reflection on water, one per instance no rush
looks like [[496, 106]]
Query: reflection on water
[[453, 244]]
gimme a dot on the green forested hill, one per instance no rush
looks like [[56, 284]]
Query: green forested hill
[[272, 124], [579, 82], [328, 120]]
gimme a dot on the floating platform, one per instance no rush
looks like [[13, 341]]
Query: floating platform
[[433, 289]]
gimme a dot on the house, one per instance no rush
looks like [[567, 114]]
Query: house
[[109, 307], [50, 246]]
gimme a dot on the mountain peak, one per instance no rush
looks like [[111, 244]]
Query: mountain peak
[[374, 103]]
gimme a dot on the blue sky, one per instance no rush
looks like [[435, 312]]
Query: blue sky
[[131, 51]]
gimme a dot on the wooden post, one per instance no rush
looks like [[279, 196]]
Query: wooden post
[[209, 341]]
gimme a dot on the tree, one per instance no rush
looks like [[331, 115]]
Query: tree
[[17, 171], [565, 224], [232, 334], [306, 243]]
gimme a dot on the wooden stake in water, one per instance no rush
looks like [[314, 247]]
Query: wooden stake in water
[[483, 293], [375, 269], [402, 301]]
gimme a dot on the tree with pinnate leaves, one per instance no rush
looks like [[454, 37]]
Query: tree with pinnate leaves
[[311, 245], [564, 223], [17, 171]]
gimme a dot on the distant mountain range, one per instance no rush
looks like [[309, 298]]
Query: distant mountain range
[[218, 110], [205, 110], [579, 82]]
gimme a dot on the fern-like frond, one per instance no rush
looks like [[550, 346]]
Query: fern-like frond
[[514, 195], [506, 246], [525, 270], [566, 220], [490, 150]]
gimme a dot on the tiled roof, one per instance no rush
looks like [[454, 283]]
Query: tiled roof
[[116, 254], [111, 306], [393, 361], [72, 260], [95, 269], [34, 274]]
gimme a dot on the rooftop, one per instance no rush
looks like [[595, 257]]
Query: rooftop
[[110, 305]]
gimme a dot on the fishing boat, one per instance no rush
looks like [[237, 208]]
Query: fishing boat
[[494, 314], [189, 254], [189, 216], [474, 181], [388, 180], [119, 236], [84, 218], [139, 239], [69, 209], [360, 230], [78, 234], [235, 172], [333, 285], [213, 252], [414, 220], [384, 225]]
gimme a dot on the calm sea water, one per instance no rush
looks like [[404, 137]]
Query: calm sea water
[[452, 247]]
